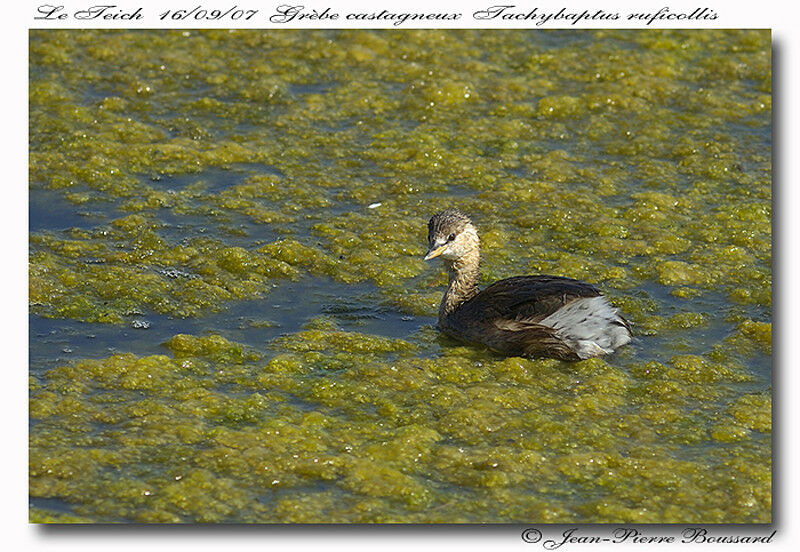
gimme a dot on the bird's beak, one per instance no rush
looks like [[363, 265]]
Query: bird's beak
[[435, 252]]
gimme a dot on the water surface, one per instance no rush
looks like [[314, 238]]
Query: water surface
[[230, 320]]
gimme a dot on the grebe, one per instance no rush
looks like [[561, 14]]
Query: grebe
[[529, 316]]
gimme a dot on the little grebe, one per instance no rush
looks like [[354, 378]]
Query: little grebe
[[530, 316]]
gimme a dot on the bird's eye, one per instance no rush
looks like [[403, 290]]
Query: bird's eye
[[451, 237]]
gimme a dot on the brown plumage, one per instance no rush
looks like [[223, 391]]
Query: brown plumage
[[530, 316]]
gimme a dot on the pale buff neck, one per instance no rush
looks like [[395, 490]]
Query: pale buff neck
[[464, 273]]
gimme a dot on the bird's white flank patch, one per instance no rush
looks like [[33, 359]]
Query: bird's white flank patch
[[591, 326]]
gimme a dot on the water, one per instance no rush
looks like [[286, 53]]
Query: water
[[223, 330], [284, 309]]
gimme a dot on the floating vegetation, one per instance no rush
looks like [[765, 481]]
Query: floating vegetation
[[178, 174]]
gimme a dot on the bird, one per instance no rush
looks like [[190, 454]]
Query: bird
[[535, 316]]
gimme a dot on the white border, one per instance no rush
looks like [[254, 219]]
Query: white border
[[778, 16]]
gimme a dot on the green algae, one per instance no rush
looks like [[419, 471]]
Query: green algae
[[391, 449], [129, 135], [222, 164], [215, 347], [754, 411], [332, 340]]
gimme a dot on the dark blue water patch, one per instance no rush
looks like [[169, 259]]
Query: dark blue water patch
[[55, 342], [704, 338], [311, 88], [521, 171], [284, 309], [232, 228], [342, 125], [752, 127], [53, 505], [713, 302], [699, 452], [216, 178], [49, 211], [237, 173]]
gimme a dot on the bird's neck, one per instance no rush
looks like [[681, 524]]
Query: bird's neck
[[464, 273]]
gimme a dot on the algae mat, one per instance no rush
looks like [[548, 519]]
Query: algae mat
[[231, 320]]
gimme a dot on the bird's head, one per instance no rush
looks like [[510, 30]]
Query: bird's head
[[451, 236]]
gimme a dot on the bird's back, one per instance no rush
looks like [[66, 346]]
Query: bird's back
[[539, 316]]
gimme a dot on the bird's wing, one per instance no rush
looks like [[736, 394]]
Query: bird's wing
[[527, 299]]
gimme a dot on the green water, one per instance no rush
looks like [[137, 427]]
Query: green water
[[231, 320]]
